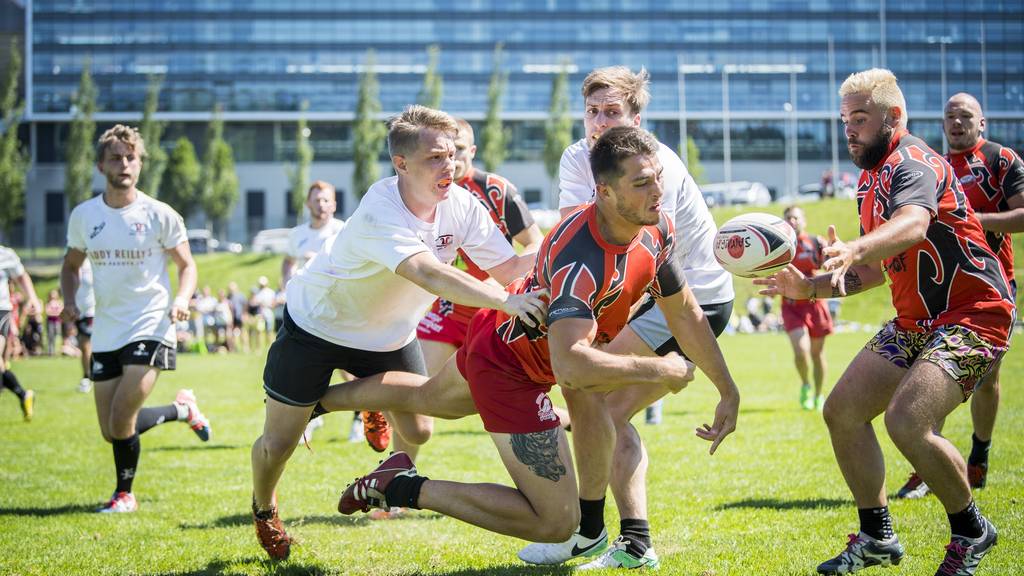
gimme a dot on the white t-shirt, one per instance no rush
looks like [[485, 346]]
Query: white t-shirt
[[10, 268], [126, 247], [304, 239], [695, 229], [85, 298], [351, 296]]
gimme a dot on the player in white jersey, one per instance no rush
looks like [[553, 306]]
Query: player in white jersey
[[85, 299], [304, 241], [616, 96], [11, 269], [129, 237], [356, 307]]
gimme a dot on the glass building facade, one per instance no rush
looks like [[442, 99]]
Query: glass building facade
[[261, 59]]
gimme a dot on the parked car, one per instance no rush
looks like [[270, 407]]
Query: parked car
[[742, 192], [273, 240], [201, 241]]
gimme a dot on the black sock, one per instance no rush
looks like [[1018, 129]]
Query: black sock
[[126, 460], [11, 383], [876, 522], [979, 451], [967, 522], [404, 491], [591, 517], [637, 534], [318, 411], [154, 416]]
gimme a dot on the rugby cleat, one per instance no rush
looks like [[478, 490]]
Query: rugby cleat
[[863, 551], [377, 430], [85, 385], [618, 557], [270, 532], [368, 492], [914, 488], [964, 554], [28, 405], [120, 502], [977, 474], [806, 397], [196, 421], [576, 546]]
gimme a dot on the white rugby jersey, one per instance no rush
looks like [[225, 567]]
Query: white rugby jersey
[[10, 268], [695, 229], [126, 247], [350, 294], [304, 239]]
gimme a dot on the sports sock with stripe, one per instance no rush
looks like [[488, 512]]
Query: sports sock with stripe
[[876, 522], [404, 491], [156, 415], [126, 460]]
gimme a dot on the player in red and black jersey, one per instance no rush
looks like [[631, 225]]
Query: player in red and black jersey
[[992, 177], [595, 265], [807, 323], [442, 330], [954, 312]]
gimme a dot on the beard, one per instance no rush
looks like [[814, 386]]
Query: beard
[[115, 181], [636, 217], [873, 152]]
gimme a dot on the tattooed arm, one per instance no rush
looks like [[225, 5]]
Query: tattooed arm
[[539, 452], [791, 283]]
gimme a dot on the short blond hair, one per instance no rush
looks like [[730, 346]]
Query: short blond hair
[[404, 130], [881, 86], [120, 133], [632, 86], [320, 185]]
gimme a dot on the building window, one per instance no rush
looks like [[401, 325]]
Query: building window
[[255, 210]]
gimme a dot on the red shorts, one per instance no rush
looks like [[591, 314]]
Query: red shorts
[[441, 325], [508, 401], [806, 314]]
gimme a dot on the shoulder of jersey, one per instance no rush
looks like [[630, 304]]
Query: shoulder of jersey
[[578, 149]]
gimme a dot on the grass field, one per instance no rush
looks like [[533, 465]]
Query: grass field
[[770, 502]]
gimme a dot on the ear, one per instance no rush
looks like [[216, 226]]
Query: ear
[[399, 163], [981, 125], [472, 150], [895, 117], [637, 120], [603, 191]]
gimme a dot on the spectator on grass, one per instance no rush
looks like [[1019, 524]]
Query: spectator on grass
[[54, 306]]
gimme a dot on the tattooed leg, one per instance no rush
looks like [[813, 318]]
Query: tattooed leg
[[539, 451], [543, 506]]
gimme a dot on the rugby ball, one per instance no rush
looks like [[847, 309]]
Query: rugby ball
[[755, 244]]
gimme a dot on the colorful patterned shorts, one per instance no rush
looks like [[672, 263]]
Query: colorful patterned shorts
[[959, 351]]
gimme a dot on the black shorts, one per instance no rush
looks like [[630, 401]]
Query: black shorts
[[650, 325], [300, 365], [84, 326], [110, 365]]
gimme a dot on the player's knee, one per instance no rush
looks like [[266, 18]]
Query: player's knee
[[555, 528], [418, 434], [903, 426], [276, 447], [833, 413]]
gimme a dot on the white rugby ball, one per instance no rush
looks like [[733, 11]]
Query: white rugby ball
[[755, 244]]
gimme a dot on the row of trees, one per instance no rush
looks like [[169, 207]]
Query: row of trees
[[187, 184]]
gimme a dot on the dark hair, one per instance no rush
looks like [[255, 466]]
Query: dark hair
[[616, 145]]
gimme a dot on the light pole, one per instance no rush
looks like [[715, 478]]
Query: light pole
[[681, 71], [942, 41], [791, 69]]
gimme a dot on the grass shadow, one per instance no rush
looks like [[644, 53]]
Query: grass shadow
[[268, 567], [776, 504], [498, 570], [58, 511], [235, 520], [195, 447]]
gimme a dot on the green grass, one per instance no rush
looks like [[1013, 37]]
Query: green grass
[[771, 502]]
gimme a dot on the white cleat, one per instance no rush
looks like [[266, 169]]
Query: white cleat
[[576, 546], [84, 385], [311, 427]]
